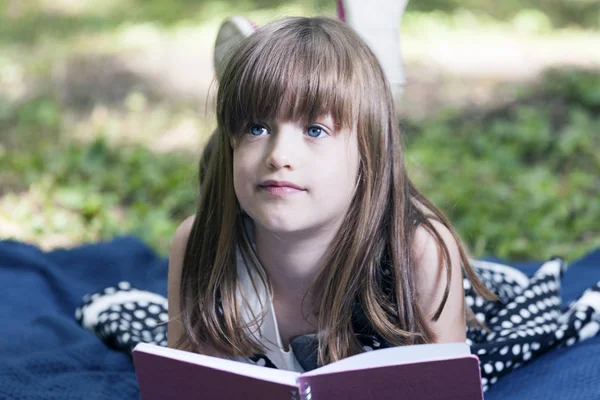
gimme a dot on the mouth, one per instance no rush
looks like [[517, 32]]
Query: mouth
[[280, 188]]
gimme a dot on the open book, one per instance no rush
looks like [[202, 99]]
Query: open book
[[419, 372]]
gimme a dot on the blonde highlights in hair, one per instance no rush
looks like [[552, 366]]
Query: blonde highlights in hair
[[298, 69]]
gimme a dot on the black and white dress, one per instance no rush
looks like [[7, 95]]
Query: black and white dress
[[528, 322]]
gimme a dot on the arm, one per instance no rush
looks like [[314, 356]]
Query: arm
[[431, 280], [180, 239], [175, 327]]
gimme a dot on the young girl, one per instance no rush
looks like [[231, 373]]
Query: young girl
[[309, 233]]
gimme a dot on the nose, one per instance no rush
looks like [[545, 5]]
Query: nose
[[282, 150]]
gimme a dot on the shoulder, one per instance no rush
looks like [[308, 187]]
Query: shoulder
[[425, 243], [182, 233]]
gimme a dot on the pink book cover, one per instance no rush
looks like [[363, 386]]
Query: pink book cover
[[451, 379], [399, 373]]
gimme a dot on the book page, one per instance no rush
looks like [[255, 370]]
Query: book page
[[288, 378], [396, 356]]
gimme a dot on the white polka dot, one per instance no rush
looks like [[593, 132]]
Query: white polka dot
[[261, 361], [530, 332], [159, 336], [498, 278], [524, 313], [503, 312], [494, 320], [513, 336], [114, 326], [109, 290], [113, 316], [507, 324], [526, 356], [533, 309], [484, 381], [516, 349], [516, 319], [508, 363], [544, 287], [577, 324], [535, 346], [549, 302], [128, 317], [525, 347], [539, 319], [581, 315], [129, 306], [126, 336], [150, 322], [140, 314], [499, 366], [504, 350], [540, 304], [154, 309], [512, 306], [488, 368], [137, 325], [494, 380], [478, 301], [367, 348], [481, 352], [469, 301], [552, 286], [520, 299], [480, 317], [163, 317], [143, 303], [376, 343], [529, 294], [571, 341], [589, 330], [124, 285], [537, 290], [522, 334], [559, 334]]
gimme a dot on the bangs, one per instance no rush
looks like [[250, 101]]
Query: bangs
[[291, 71]]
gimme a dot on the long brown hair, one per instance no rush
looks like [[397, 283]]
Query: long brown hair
[[298, 69]]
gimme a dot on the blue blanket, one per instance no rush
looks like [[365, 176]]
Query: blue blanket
[[45, 354]]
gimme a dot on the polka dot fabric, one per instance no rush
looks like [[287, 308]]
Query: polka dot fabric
[[527, 322], [123, 316]]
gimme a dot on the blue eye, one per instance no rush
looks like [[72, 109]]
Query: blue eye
[[257, 130], [315, 131]]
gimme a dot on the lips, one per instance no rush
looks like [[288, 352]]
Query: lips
[[281, 188], [280, 184]]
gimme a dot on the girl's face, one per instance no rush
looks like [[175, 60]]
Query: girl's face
[[292, 178]]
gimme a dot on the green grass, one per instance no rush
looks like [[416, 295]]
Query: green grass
[[518, 182]]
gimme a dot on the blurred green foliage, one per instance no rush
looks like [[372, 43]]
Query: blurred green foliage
[[518, 182], [521, 181]]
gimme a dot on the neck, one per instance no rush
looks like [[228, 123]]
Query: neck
[[293, 260]]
